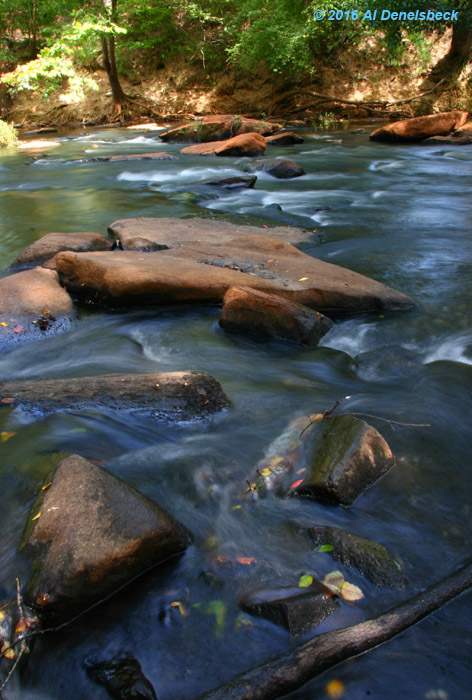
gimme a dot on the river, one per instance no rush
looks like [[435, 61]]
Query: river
[[402, 215]]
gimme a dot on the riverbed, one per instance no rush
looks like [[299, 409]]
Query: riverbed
[[399, 214]]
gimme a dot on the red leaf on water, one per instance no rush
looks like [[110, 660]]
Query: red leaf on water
[[296, 483], [245, 560], [18, 329]]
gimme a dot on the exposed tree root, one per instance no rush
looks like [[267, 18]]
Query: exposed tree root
[[284, 674]]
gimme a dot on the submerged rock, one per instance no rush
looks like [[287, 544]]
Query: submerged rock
[[31, 303], [296, 609], [233, 183], [277, 167], [166, 395], [146, 233], [202, 273], [251, 311], [370, 558], [46, 247], [349, 456], [421, 128], [251, 144], [218, 128], [448, 140], [91, 534], [286, 138], [123, 678]]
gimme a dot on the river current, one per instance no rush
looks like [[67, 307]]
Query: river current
[[400, 214]]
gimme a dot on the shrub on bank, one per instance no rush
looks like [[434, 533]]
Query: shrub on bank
[[8, 135]]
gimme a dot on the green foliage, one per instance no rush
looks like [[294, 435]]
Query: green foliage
[[8, 135], [329, 122]]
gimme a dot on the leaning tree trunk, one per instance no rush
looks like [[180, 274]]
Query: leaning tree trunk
[[449, 68], [109, 60]]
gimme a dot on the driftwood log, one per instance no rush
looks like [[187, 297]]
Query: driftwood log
[[284, 674]]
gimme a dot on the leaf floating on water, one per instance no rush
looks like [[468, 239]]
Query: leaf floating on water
[[335, 689], [38, 515], [238, 507], [301, 471], [325, 548], [266, 472], [8, 400], [3, 324], [177, 604], [42, 599], [46, 486], [4, 436], [296, 483], [351, 593], [246, 561], [334, 582], [18, 329], [305, 581]]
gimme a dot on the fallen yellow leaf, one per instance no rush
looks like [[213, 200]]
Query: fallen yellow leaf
[[303, 279], [3, 324], [266, 472], [36, 516], [4, 436], [335, 689], [46, 486], [351, 593], [238, 507]]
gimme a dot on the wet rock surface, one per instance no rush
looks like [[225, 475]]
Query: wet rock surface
[[202, 273], [280, 168], [251, 144], [286, 138], [127, 156], [165, 395], [93, 535], [349, 456], [448, 141], [247, 310], [46, 247], [218, 128], [296, 609], [123, 678], [370, 558], [233, 183], [148, 234], [421, 128]]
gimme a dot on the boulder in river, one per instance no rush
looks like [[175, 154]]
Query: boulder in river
[[285, 138], [465, 129], [218, 128], [165, 395], [280, 168], [33, 302], [233, 183], [250, 144], [123, 678], [296, 609], [147, 234], [91, 534], [46, 247], [202, 273], [370, 558], [252, 311], [421, 128], [349, 456], [452, 140]]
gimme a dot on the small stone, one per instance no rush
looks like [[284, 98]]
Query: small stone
[[123, 678]]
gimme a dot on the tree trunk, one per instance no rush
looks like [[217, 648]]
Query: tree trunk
[[109, 59], [284, 674]]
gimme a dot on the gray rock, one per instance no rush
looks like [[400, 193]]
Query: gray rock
[[233, 183], [166, 395], [277, 167], [91, 534], [296, 609], [123, 678], [349, 456], [370, 558]]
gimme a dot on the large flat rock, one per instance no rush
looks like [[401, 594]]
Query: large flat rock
[[251, 144], [420, 128], [48, 245], [202, 273], [218, 128], [166, 395], [148, 234], [91, 534]]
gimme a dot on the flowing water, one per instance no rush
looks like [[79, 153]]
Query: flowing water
[[400, 214]]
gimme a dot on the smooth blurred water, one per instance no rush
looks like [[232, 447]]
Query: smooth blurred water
[[399, 214]]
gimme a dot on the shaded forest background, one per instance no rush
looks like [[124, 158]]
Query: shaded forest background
[[69, 61]]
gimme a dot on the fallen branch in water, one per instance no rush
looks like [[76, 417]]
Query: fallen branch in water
[[284, 674]]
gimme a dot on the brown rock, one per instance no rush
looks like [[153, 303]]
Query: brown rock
[[47, 246], [286, 138], [420, 128], [142, 156], [202, 273], [28, 296], [145, 233], [277, 167], [296, 609], [164, 395], [465, 129], [250, 144], [251, 311], [233, 183], [94, 534], [349, 456], [218, 128]]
